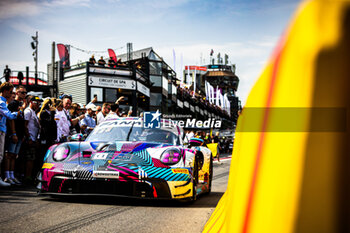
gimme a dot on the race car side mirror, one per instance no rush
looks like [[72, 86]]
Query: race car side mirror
[[77, 137]]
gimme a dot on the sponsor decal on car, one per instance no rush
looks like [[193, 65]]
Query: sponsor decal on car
[[100, 156], [106, 174], [47, 165], [180, 170]]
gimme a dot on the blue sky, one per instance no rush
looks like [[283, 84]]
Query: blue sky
[[246, 30]]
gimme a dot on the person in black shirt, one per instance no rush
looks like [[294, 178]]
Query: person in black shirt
[[101, 62], [111, 63], [92, 60], [75, 112], [207, 138], [7, 73], [48, 133], [216, 140]]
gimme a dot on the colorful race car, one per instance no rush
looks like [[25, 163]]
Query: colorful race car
[[121, 157]]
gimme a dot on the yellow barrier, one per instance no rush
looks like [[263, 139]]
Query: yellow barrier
[[213, 147], [295, 180]]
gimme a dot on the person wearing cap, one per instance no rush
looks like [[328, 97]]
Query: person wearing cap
[[82, 108], [88, 123], [32, 129]]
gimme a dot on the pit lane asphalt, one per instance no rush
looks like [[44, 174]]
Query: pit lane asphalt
[[23, 211]]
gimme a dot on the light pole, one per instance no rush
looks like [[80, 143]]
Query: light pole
[[34, 45]]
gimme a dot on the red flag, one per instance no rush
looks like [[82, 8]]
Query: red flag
[[64, 55], [112, 55]]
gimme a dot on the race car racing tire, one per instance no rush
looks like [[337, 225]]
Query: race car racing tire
[[210, 174], [195, 181]]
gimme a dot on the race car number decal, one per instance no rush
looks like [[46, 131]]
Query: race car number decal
[[106, 174], [100, 156]]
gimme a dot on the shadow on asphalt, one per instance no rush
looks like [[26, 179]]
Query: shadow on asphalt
[[203, 201], [17, 194]]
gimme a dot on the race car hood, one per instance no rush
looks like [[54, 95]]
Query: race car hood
[[123, 147], [137, 153]]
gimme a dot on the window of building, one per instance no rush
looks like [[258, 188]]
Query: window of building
[[156, 80], [156, 99], [153, 56], [111, 95], [97, 91], [155, 68]]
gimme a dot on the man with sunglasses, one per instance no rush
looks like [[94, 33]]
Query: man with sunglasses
[[14, 140]]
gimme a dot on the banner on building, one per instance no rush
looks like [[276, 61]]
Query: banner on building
[[112, 55], [63, 53]]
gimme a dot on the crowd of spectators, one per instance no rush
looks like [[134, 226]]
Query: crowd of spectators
[[102, 62], [223, 143], [30, 125], [199, 99]]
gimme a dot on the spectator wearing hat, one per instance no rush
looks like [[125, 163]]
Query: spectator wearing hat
[[82, 108], [88, 123], [6, 90], [32, 130]]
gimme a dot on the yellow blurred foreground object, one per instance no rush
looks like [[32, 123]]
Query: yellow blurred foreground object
[[213, 147], [290, 166]]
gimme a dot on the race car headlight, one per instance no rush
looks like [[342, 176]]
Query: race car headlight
[[60, 153], [170, 156]]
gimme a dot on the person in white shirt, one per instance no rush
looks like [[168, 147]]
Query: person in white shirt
[[63, 124], [102, 115], [106, 108], [32, 129], [66, 127], [114, 113]]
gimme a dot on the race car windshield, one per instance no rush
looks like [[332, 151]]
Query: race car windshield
[[132, 133]]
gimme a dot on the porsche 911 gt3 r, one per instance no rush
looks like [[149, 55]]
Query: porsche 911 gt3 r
[[121, 157]]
